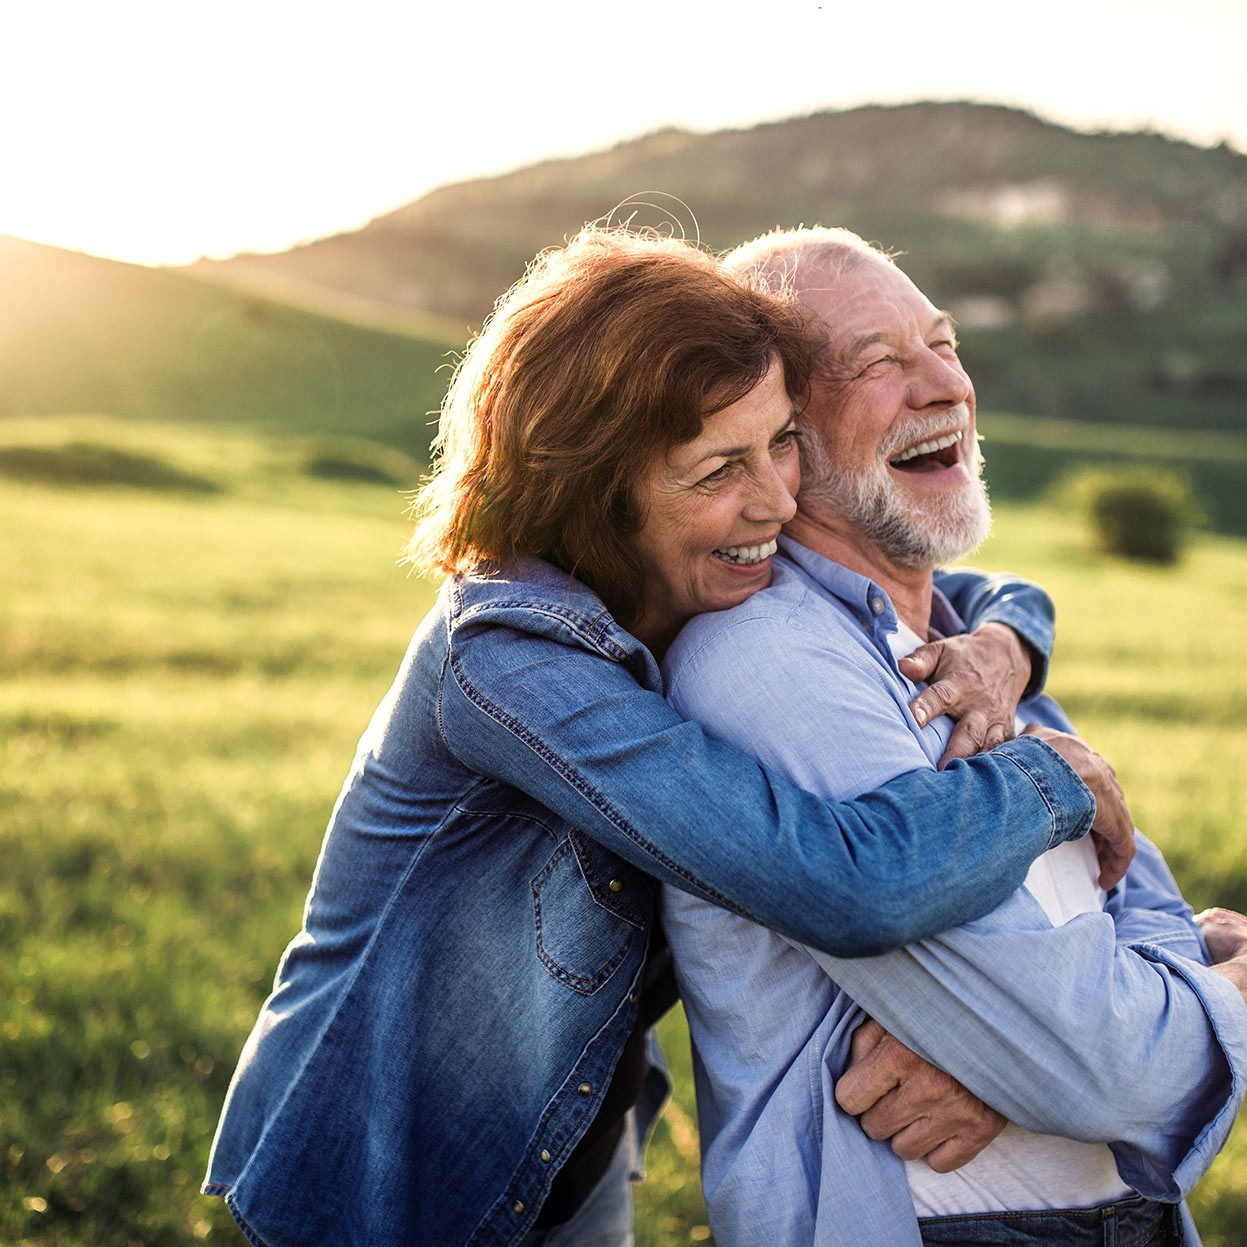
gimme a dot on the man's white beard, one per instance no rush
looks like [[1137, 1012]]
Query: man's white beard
[[913, 535]]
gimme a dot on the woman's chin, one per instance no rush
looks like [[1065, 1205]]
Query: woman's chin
[[736, 583]]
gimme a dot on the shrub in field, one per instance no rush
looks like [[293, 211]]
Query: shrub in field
[[95, 463], [1137, 512], [355, 459]]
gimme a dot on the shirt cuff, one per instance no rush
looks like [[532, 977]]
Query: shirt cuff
[[1172, 1177]]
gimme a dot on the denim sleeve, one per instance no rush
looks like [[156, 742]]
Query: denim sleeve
[[979, 598], [575, 731]]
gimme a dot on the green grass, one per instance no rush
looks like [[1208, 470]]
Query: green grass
[[184, 675]]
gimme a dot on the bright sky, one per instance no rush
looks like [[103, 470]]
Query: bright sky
[[161, 130]]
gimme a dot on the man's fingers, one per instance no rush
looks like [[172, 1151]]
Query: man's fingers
[[911, 1141], [864, 1084], [920, 664], [934, 700], [867, 1037], [952, 1153], [969, 737], [1225, 933]]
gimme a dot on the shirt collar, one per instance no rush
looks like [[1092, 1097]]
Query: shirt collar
[[865, 599]]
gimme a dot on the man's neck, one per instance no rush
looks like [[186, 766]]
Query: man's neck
[[827, 534]]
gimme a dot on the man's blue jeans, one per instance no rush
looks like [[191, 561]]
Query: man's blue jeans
[[1130, 1223]]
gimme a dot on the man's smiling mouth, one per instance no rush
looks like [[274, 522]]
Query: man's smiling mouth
[[930, 456]]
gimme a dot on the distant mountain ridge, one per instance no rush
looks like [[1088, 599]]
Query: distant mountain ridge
[[987, 202]]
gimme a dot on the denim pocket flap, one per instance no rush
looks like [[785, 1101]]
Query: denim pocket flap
[[586, 922]]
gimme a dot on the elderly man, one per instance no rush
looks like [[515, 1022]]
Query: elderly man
[[1089, 1021]]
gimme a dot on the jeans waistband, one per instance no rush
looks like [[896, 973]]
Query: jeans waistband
[[1130, 1223]]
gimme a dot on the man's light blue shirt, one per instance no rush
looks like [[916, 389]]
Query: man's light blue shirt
[[1106, 1029]]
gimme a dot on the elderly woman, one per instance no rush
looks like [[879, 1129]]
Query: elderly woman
[[454, 1050]]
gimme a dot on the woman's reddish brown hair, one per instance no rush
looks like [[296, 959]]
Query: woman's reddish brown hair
[[607, 352]]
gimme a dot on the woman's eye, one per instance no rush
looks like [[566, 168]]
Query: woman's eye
[[717, 476]]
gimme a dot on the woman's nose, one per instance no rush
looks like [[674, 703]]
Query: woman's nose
[[772, 500]]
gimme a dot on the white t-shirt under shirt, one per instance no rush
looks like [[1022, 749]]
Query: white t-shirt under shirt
[[1019, 1169]]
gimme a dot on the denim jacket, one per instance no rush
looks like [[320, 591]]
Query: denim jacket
[[444, 1026]]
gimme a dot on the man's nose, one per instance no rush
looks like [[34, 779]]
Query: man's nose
[[938, 381]]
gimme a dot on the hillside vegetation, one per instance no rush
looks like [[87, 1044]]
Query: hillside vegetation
[[984, 200], [1097, 278]]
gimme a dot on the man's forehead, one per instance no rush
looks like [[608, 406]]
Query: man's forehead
[[868, 304]]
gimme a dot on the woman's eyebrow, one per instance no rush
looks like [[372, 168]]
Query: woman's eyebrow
[[735, 452]]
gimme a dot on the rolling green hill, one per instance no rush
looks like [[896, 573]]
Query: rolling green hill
[[84, 335]]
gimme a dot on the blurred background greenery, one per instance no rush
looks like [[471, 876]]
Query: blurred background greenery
[[201, 487]]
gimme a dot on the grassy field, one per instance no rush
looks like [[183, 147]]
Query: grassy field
[[185, 671]]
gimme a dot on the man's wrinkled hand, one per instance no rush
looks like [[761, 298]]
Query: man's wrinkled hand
[[977, 679], [1113, 829], [1225, 933], [922, 1111]]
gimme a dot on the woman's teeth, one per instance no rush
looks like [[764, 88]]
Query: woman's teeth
[[927, 448], [747, 554]]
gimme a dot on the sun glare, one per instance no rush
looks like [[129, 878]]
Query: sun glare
[[158, 132]]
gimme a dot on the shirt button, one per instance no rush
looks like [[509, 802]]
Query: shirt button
[[518, 1206], [546, 1158], [876, 605], [585, 1089], [615, 885]]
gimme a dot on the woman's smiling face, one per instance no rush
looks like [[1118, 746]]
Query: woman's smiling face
[[713, 508]]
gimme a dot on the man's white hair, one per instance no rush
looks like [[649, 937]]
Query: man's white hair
[[786, 261]]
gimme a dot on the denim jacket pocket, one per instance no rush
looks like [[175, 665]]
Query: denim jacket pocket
[[589, 909]]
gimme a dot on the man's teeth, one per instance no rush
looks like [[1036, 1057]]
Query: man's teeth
[[927, 448], [747, 554]]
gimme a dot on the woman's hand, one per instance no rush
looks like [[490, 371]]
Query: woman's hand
[[923, 1111], [977, 679], [1113, 829]]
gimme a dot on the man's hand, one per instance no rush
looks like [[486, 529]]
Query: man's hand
[[1225, 933], [925, 1112], [1113, 829], [977, 679]]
